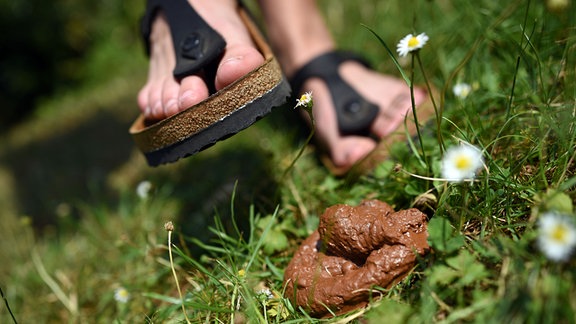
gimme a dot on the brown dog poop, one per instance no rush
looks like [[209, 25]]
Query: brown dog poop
[[354, 250]]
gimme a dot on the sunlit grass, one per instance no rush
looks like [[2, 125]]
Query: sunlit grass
[[238, 221]]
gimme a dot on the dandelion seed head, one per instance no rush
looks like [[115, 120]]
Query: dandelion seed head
[[557, 236]]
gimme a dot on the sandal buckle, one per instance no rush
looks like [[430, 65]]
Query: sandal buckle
[[191, 46]]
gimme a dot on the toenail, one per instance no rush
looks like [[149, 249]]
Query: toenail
[[171, 107], [185, 98], [157, 109], [232, 59]]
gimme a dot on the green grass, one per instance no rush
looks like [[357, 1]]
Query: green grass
[[73, 228]]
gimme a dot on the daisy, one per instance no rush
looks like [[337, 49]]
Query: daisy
[[462, 90], [266, 293], [461, 163], [121, 295], [411, 43], [305, 101], [557, 236], [143, 189]]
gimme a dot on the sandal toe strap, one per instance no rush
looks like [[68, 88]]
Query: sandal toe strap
[[196, 44], [354, 113]]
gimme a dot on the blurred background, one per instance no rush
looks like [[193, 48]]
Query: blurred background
[[69, 74], [50, 47]]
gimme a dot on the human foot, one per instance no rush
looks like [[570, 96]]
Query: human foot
[[163, 95], [391, 95], [299, 34], [245, 70]]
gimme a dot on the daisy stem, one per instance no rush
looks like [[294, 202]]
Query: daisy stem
[[312, 132], [465, 197], [413, 102], [437, 112]]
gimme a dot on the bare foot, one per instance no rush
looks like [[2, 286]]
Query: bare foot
[[163, 95], [392, 95], [299, 33]]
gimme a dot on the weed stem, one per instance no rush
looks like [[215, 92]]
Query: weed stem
[[169, 227], [8, 306], [413, 103]]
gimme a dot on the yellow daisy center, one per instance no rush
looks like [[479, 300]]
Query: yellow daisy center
[[559, 234], [304, 98], [463, 162], [413, 41]]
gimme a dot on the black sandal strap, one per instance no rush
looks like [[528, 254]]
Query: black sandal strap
[[196, 44], [355, 114]]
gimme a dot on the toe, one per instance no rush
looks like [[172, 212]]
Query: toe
[[163, 96], [170, 91], [154, 110], [393, 114], [238, 61], [192, 91], [143, 103], [352, 149]]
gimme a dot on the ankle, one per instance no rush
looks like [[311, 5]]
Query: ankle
[[297, 32], [297, 57]]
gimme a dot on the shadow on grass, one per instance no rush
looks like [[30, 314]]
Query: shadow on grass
[[224, 187], [226, 183], [54, 174]]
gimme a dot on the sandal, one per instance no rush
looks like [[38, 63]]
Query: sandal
[[354, 113], [224, 113]]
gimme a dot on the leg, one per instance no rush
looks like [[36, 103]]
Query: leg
[[162, 95], [298, 34]]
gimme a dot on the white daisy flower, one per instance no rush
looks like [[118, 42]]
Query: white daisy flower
[[462, 90], [461, 163], [557, 236], [305, 100], [121, 295], [411, 43], [143, 189], [266, 292]]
